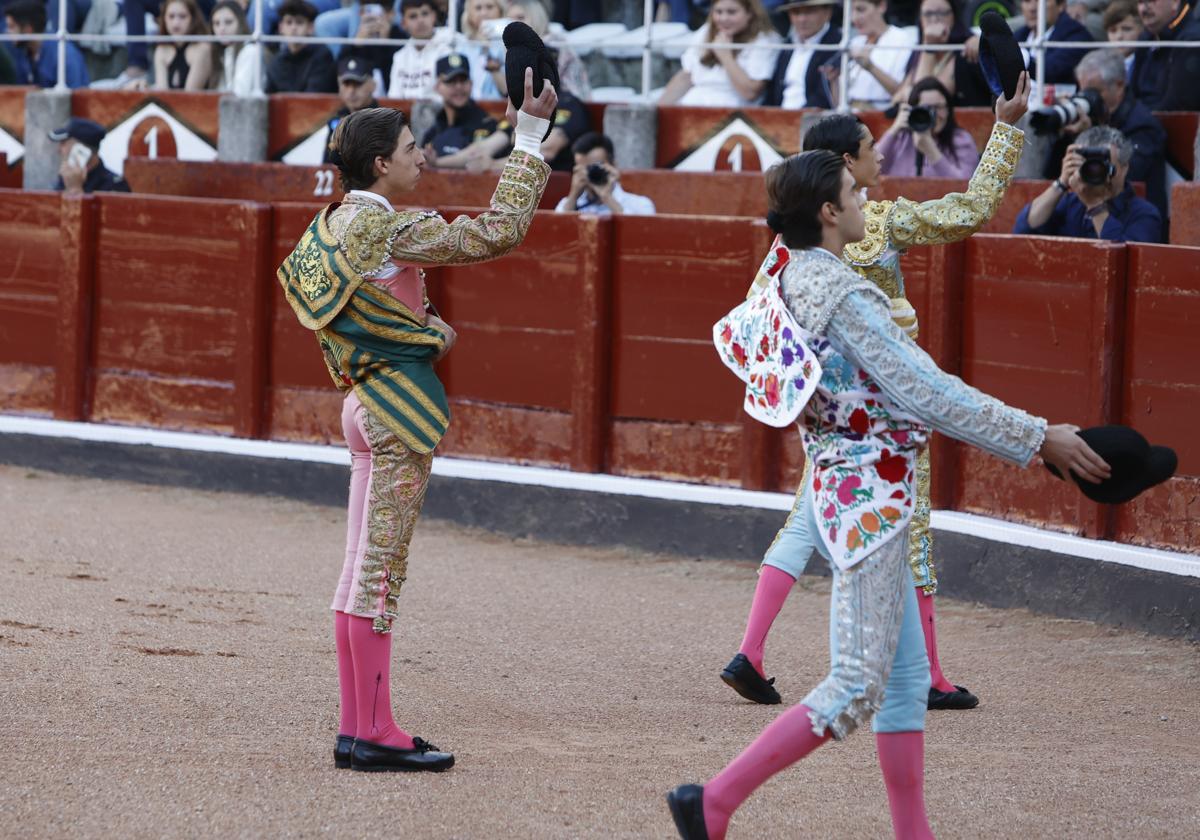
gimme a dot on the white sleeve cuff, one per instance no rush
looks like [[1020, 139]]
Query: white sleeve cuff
[[528, 134]]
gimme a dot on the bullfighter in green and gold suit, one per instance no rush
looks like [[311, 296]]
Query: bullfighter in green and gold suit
[[356, 279], [892, 227]]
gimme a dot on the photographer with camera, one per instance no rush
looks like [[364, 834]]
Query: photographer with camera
[[1105, 99], [924, 139], [595, 182], [1090, 199]]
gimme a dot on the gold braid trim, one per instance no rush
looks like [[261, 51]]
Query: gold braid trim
[[375, 235]]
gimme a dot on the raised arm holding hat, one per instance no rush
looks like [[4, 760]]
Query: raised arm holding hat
[[892, 227], [355, 279]]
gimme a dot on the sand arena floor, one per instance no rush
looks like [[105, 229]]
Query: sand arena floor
[[167, 670]]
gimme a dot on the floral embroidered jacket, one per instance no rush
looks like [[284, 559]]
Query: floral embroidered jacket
[[872, 411], [370, 340]]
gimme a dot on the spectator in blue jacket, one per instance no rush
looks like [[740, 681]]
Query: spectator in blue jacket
[[1168, 79], [1060, 62], [1071, 206], [36, 62]]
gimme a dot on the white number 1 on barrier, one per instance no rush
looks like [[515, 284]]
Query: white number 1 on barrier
[[324, 182]]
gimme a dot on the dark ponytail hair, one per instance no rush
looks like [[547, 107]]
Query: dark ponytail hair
[[797, 188], [359, 139]]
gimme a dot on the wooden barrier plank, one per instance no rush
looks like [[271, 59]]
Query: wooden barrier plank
[[593, 349], [516, 318], [171, 276], [1181, 129], [75, 304], [700, 193], [1161, 394], [1185, 213], [1041, 331], [675, 406], [30, 240]]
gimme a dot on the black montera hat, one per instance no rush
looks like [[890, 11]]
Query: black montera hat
[[1136, 465], [1000, 58], [525, 49]]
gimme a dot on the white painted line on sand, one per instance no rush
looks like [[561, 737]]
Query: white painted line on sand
[[996, 530]]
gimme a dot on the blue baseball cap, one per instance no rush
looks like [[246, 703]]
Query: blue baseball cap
[[87, 132]]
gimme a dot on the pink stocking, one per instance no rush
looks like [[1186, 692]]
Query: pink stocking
[[788, 739], [345, 662], [772, 590], [902, 760], [372, 653], [939, 681]]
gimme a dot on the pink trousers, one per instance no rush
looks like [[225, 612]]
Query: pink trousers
[[387, 488]]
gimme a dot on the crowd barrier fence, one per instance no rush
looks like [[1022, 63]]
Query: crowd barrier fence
[[589, 348]]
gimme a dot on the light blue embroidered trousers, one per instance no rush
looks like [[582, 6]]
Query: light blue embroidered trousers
[[879, 671]]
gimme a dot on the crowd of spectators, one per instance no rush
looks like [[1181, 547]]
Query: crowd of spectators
[[736, 58]]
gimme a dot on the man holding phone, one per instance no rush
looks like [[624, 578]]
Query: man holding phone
[[595, 182], [79, 149]]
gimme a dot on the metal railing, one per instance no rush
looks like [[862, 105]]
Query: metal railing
[[1037, 46]]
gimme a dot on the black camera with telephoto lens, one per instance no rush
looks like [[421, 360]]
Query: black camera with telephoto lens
[[920, 118], [597, 174], [1086, 103], [1097, 167]]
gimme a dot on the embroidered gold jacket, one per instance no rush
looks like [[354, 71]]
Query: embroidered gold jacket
[[371, 341], [895, 226]]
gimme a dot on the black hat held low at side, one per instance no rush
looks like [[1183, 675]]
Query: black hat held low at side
[[1136, 465]]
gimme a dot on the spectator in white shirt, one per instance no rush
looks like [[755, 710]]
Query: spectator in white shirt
[[876, 74], [414, 65], [715, 75], [235, 62], [595, 182], [799, 81]]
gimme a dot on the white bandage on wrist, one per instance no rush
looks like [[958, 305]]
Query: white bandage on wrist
[[528, 134]]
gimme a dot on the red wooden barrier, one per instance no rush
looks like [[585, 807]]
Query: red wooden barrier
[[589, 346], [283, 182], [302, 404], [1041, 332], [1185, 214], [29, 300], [179, 300], [1162, 389], [700, 193], [672, 279], [1181, 129], [10, 176]]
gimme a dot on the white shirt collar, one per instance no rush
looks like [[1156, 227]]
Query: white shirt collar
[[376, 197]]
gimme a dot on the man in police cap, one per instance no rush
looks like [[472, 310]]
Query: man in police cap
[[356, 89], [79, 150], [463, 136]]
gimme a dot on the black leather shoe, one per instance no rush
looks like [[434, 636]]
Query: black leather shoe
[[740, 675], [687, 808], [958, 699], [376, 758], [341, 751]]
